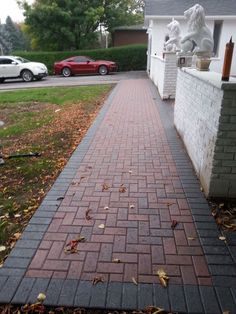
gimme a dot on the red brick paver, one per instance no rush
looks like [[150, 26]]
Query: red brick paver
[[129, 182]]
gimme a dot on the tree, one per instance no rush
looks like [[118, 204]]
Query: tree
[[5, 43], [63, 24], [15, 35], [72, 24], [123, 13]]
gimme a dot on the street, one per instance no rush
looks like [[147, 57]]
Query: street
[[72, 80]]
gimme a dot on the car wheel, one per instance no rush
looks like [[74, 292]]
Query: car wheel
[[27, 76], [66, 72], [2, 80], [103, 70]]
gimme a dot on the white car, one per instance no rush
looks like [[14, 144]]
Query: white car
[[17, 67]]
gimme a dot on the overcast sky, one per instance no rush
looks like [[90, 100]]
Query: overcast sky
[[10, 8]]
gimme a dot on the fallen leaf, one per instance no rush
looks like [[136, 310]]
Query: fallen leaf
[[163, 277], [105, 187], [122, 188], [33, 308], [159, 310], [17, 235], [97, 280], [2, 248], [116, 260], [102, 226], [87, 216], [222, 238], [174, 224], [17, 215], [60, 198], [41, 297], [153, 310], [134, 281], [71, 246]]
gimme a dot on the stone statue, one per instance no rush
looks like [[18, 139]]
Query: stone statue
[[173, 43], [199, 37]]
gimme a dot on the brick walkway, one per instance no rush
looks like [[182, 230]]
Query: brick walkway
[[133, 147]]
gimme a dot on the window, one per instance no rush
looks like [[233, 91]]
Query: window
[[6, 61], [83, 59], [216, 36]]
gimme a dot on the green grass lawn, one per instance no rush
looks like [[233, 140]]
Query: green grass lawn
[[50, 121]]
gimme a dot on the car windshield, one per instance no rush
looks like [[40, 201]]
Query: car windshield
[[90, 59], [21, 60], [79, 59]]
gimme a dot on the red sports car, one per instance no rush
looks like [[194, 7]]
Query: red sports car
[[83, 65]]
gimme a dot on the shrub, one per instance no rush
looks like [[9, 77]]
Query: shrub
[[127, 57]]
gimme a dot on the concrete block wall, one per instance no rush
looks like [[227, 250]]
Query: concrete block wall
[[205, 117], [164, 74]]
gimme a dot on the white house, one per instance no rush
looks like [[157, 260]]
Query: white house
[[220, 17]]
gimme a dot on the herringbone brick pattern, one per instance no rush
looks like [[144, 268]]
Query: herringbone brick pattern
[[128, 182]]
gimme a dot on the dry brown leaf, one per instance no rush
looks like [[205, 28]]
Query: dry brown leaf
[[17, 235], [72, 246], [97, 279], [134, 281], [33, 308], [105, 187], [169, 204], [174, 224], [163, 278], [87, 216], [122, 188]]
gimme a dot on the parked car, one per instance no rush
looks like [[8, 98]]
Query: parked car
[[16, 67], [83, 65]]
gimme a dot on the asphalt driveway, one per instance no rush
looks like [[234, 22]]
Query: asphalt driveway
[[73, 80]]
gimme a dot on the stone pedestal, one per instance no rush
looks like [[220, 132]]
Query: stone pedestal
[[205, 117]]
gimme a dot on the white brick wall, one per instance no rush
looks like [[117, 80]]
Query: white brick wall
[[164, 74], [205, 117]]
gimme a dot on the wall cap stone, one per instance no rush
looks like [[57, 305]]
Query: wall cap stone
[[212, 78]]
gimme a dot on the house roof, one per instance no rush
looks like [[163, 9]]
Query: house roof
[[177, 7]]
